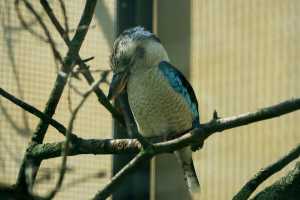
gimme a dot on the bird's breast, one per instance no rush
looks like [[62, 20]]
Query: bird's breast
[[157, 108]]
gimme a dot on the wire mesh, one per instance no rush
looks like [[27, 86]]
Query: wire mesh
[[244, 56], [28, 72]]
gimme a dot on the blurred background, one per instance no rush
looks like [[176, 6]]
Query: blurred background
[[238, 56]]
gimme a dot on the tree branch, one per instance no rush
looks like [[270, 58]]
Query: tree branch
[[56, 93], [90, 146], [221, 124], [79, 145], [85, 71], [198, 135], [66, 146], [133, 166], [37, 150], [266, 172], [39, 114], [288, 187]]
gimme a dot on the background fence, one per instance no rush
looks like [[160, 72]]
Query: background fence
[[238, 55]]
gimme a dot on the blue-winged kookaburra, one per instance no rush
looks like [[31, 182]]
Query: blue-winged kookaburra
[[161, 99]]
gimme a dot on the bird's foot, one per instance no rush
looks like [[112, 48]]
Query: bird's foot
[[120, 111], [197, 147], [165, 137]]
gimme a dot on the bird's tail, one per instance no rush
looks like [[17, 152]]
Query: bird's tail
[[185, 159], [191, 177]]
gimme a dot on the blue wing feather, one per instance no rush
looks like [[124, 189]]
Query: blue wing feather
[[180, 84]]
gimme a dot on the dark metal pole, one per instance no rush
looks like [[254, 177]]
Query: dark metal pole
[[131, 13]]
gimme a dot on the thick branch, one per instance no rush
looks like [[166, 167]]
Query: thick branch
[[287, 188], [218, 125], [7, 192], [266, 172], [198, 135], [91, 146], [79, 145]]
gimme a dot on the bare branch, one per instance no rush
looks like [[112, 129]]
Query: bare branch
[[197, 136], [85, 178], [79, 145], [266, 172], [101, 97], [81, 28], [88, 59], [30, 8], [66, 147], [56, 93], [62, 32], [63, 8], [221, 124], [7, 192], [288, 187], [89, 146], [25, 25], [133, 166], [38, 113], [69, 97]]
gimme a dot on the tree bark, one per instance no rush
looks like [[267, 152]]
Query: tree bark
[[287, 188]]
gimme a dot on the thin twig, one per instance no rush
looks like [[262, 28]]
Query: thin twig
[[69, 97], [61, 31], [97, 70], [82, 28], [37, 113], [69, 89], [133, 166], [68, 136], [63, 8], [88, 59], [66, 147], [25, 25], [266, 172], [76, 90], [84, 179], [30, 8], [101, 97]]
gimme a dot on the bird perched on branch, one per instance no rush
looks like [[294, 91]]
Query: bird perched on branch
[[161, 99]]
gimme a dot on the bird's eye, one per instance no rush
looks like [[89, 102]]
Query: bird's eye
[[126, 61]]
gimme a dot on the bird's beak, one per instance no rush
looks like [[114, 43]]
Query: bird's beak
[[117, 84]]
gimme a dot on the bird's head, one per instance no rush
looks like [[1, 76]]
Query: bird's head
[[136, 48]]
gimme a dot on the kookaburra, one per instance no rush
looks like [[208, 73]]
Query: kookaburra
[[161, 99]]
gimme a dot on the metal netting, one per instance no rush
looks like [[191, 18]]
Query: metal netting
[[28, 72]]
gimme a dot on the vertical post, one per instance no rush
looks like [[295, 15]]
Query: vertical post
[[131, 13]]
